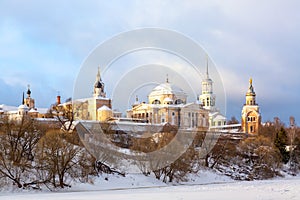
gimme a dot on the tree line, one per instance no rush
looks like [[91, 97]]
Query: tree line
[[37, 155], [274, 151], [33, 155]]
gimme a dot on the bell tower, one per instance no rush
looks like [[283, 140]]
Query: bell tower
[[99, 86], [251, 118], [29, 101], [207, 98]]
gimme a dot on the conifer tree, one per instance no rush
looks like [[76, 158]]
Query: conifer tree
[[281, 143]]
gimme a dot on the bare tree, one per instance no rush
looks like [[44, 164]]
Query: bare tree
[[18, 143], [58, 157], [64, 113], [232, 120]]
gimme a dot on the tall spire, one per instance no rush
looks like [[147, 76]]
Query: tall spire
[[207, 98], [23, 101], [167, 80], [207, 75], [98, 78], [251, 88], [250, 95]]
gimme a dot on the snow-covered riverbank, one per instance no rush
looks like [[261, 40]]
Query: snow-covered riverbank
[[206, 186]]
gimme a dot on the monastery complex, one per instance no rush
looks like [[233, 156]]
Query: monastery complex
[[167, 104]]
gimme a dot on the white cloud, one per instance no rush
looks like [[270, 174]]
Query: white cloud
[[45, 41]]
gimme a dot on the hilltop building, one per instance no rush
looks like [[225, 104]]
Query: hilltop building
[[26, 108], [29, 102], [208, 100], [98, 107], [251, 117], [167, 103]]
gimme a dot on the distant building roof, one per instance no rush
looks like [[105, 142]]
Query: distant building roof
[[104, 108], [167, 88]]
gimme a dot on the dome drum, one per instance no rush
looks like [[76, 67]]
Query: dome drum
[[167, 93]]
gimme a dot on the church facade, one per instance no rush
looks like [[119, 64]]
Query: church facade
[[93, 108], [167, 103]]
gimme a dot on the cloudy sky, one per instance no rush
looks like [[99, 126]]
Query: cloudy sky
[[45, 43]]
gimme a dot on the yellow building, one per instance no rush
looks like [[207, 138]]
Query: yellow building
[[168, 104], [251, 118]]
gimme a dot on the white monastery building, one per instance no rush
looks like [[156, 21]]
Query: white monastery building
[[167, 103]]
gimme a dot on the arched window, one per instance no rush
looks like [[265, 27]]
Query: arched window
[[156, 101], [251, 129]]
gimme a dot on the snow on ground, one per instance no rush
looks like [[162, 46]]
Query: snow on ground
[[136, 187], [114, 182]]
